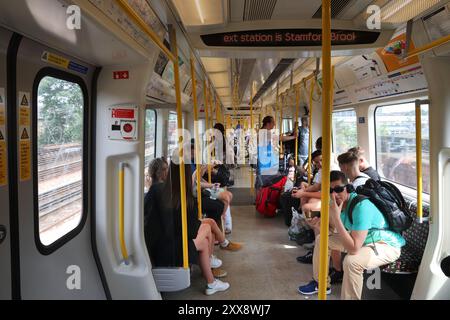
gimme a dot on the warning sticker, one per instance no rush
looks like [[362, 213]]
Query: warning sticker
[[25, 160], [25, 139], [123, 123], [64, 63]]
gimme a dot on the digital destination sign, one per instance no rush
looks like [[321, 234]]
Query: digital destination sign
[[288, 38]]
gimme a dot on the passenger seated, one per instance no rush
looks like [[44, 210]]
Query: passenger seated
[[364, 165], [164, 231], [214, 190], [368, 241], [349, 164]]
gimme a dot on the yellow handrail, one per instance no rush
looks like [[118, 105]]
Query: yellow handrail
[[144, 26], [296, 106], [310, 142], [252, 183], [280, 106], [428, 47], [208, 157], [197, 141], [123, 246], [326, 150], [173, 40], [419, 160]]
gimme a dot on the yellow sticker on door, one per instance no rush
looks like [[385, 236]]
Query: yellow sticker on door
[[24, 136], [25, 160]]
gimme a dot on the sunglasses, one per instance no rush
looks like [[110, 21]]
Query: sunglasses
[[337, 189]]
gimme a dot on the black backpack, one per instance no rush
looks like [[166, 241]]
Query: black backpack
[[222, 176], [389, 200]]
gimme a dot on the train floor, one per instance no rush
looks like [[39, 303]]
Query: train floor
[[266, 267]]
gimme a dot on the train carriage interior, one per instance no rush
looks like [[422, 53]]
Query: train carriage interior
[[113, 111]]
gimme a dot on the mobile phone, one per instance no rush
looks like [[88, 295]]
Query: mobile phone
[[315, 214]]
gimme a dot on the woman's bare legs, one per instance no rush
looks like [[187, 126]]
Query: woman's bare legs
[[204, 232], [205, 265], [202, 244], [215, 230]]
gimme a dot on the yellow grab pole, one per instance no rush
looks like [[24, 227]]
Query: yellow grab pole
[[207, 127], [310, 143], [123, 246], [252, 183], [197, 141], [326, 150], [297, 106], [427, 47], [176, 69], [281, 124], [419, 160], [144, 26]]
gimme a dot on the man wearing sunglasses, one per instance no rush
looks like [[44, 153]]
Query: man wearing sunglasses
[[368, 242]]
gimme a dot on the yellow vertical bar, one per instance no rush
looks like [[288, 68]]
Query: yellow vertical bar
[[252, 183], [123, 246], [297, 106], [326, 150], [281, 124], [311, 93], [419, 160], [197, 140], [207, 125], [173, 42], [210, 152]]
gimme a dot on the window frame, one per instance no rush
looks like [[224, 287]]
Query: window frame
[[65, 76], [376, 144]]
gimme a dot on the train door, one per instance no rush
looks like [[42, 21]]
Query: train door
[[53, 111], [5, 230]]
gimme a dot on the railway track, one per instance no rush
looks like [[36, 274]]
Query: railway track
[[58, 198]]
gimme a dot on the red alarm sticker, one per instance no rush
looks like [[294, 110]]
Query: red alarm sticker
[[121, 75]]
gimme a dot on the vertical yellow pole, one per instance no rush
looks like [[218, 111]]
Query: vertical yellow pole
[[173, 38], [311, 93], [197, 140], [326, 150], [252, 183], [297, 106], [419, 160], [208, 137], [282, 98]]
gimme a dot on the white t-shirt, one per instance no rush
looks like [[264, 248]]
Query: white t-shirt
[[360, 180], [318, 176]]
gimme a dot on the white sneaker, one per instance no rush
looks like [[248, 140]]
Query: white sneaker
[[216, 286], [215, 262]]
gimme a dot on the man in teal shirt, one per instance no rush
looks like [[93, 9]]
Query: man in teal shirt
[[368, 242]]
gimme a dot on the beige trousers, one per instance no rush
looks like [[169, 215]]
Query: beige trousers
[[354, 265]]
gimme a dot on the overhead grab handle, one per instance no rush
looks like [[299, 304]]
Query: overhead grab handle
[[123, 246]]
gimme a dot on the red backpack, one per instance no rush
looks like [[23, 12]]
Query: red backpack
[[267, 198]]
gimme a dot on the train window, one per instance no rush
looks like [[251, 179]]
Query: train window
[[287, 125], [60, 134], [344, 131], [396, 144], [150, 142], [171, 132]]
